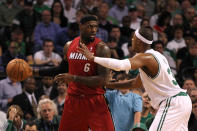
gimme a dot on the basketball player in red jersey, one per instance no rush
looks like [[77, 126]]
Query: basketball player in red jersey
[[85, 106]]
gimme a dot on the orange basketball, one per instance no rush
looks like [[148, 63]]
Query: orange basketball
[[18, 70]]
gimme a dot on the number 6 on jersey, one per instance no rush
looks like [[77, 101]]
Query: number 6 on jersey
[[86, 67]]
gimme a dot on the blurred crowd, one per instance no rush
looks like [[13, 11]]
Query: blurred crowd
[[37, 30]]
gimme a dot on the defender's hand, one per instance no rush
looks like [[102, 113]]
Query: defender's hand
[[85, 51]]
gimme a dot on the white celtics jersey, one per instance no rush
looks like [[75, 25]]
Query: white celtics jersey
[[163, 85]]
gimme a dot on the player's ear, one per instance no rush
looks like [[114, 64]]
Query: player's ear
[[80, 26]]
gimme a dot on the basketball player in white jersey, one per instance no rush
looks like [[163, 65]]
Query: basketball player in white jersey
[[173, 104]]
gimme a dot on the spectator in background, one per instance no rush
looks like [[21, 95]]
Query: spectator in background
[[146, 108], [192, 125], [47, 57], [8, 90], [47, 87], [149, 121], [190, 59], [159, 46], [149, 6], [40, 7], [133, 14], [65, 35], [30, 126], [15, 118], [188, 84], [153, 19], [45, 30], [128, 52], [172, 6], [125, 108], [184, 52], [119, 10], [178, 41], [141, 11], [28, 100], [193, 25], [188, 14], [27, 19], [59, 100], [25, 48], [185, 4], [102, 34], [125, 30], [69, 11], [116, 52], [88, 4], [193, 94], [144, 22], [105, 21], [79, 14], [12, 53], [57, 14], [162, 25], [177, 20], [163, 37], [7, 13], [47, 116], [115, 32]]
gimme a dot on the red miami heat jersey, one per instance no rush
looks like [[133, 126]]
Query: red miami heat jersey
[[81, 66]]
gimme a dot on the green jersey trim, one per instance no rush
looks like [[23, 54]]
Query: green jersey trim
[[159, 70]]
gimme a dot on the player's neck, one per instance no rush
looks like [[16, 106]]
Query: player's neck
[[85, 41], [143, 50]]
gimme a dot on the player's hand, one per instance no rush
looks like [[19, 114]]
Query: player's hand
[[64, 78], [85, 51]]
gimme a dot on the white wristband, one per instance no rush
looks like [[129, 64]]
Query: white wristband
[[114, 64]]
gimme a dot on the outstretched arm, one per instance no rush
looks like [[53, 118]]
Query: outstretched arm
[[129, 84], [140, 60], [111, 63], [114, 64]]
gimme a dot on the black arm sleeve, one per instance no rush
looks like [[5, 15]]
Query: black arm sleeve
[[53, 71]]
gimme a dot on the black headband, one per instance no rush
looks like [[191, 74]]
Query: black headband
[[88, 18]]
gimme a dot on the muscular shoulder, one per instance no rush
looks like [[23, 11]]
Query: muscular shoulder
[[66, 46], [144, 57], [142, 60], [102, 50]]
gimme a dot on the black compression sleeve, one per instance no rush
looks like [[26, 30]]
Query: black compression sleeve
[[53, 71]]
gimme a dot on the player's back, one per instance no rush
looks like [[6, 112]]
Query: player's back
[[81, 66], [164, 84]]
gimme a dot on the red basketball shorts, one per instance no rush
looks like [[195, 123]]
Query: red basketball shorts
[[85, 112]]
